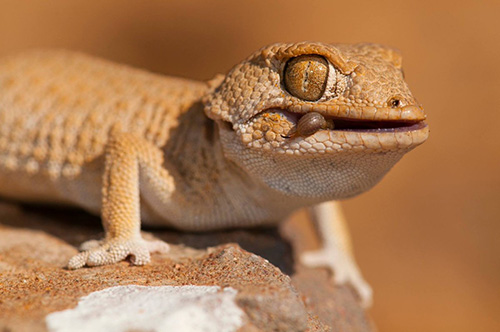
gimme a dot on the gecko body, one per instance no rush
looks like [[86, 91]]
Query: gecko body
[[239, 151]]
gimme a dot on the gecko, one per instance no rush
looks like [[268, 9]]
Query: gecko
[[294, 125]]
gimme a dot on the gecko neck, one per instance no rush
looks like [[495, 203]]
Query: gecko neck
[[213, 189]]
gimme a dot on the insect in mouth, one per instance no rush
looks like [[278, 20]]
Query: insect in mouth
[[309, 124]]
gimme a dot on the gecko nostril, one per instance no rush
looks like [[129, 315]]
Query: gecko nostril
[[395, 102]]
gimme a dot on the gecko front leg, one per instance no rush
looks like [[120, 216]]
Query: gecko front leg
[[126, 158], [336, 252]]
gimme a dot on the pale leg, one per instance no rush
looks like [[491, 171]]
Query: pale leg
[[336, 252]]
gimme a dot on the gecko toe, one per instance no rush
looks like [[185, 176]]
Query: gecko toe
[[313, 259], [366, 294], [107, 254], [140, 256], [91, 244], [104, 253], [78, 261], [158, 246]]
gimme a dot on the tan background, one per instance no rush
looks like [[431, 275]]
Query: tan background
[[427, 236]]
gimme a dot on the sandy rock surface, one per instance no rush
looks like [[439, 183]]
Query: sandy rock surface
[[273, 293]]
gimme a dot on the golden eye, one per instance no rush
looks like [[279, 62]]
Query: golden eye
[[306, 76]]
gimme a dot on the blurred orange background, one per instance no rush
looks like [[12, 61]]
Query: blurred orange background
[[426, 238]]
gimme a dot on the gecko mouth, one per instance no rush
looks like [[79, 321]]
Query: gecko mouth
[[316, 132], [308, 123]]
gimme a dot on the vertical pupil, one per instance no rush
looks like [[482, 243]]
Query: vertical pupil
[[305, 77]]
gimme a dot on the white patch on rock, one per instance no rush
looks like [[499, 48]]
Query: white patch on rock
[[147, 308]]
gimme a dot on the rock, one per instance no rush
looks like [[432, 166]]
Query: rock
[[152, 308], [36, 243]]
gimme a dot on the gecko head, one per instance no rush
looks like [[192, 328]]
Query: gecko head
[[314, 119]]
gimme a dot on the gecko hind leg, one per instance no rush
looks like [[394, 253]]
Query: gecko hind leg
[[336, 252]]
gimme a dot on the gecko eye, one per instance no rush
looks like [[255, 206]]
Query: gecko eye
[[306, 77]]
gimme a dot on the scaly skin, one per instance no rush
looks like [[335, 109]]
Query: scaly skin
[[133, 146]]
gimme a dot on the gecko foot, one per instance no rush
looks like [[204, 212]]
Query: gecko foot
[[345, 271], [103, 252]]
